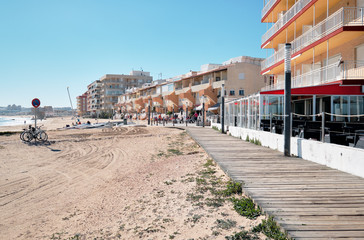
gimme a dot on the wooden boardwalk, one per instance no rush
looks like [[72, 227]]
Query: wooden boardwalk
[[310, 201]]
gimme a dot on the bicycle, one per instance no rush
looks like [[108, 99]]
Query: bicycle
[[33, 133]]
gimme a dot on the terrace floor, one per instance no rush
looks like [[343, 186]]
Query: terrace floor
[[308, 200]]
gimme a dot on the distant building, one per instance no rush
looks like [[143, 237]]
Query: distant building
[[48, 111], [103, 94], [82, 104], [93, 97]]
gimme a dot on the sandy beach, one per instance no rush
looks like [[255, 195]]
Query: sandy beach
[[114, 183]]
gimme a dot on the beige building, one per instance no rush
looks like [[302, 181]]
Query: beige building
[[82, 104], [93, 97], [103, 93], [241, 76], [113, 85]]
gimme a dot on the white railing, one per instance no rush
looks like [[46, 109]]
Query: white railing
[[268, 6], [293, 11], [273, 59], [353, 70], [334, 72], [318, 76], [342, 17]]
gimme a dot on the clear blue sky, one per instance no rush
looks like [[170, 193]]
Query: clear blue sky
[[47, 45]]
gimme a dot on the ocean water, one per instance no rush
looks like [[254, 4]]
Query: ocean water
[[13, 121]]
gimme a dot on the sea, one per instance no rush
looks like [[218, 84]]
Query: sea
[[13, 121]]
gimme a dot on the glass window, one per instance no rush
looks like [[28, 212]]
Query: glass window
[[241, 92], [241, 76], [340, 107], [232, 92], [356, 107]]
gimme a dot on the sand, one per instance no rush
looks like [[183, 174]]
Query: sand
[[51, 123], [118, 183]]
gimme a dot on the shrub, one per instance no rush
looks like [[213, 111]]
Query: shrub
[[246, 207]]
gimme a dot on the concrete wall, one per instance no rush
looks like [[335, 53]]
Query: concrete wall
[[343, 158]]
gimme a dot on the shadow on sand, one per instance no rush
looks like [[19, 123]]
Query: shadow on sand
[[46, 144]]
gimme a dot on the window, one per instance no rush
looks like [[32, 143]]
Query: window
[[241, 92], [232, 92], [218, 79], [241, 76]]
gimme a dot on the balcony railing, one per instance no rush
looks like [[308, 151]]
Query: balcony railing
[[273, 59], [268, 6], [343, 17], [334, 72], [293, 11]]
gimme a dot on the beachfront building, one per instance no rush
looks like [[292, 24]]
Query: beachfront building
[[114, 85], [103, 93], [93, 97], [82, 104], [240, 75], [327, 38], [327, 68]]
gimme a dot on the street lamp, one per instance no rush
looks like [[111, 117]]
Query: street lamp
[[148, 112], [222, 109], [203, 99], [186, 103]]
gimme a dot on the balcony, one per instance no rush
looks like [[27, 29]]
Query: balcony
[[182, 90], [199, 87], [268, 6], [342, 17], [290, 14], [348, 70], [218, 84], [273, 59]]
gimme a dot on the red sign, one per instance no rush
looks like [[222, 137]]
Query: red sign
[[36, 102]]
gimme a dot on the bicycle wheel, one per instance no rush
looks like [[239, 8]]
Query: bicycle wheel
[[42, 136], [22, 136], [27, 137]]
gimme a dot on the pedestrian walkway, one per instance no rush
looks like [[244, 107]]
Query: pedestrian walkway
[[310, 201]]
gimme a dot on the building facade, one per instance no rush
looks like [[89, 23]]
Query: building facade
[[103, 93], [327, 39], [93, 97], [82, 104], [241, 77]]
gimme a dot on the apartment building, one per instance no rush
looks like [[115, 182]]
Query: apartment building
[[112, 86], [240, 75], [82, 104], [327, 38], [103, 93], [93, 97]]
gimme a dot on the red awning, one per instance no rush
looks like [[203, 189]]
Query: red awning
[[328, 89]]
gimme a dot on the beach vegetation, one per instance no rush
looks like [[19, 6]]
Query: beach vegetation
[[271, 229], [175, 151], [225, 224], [232, 188], [246, 207], [243, 235], [247, 138], [209, 163]]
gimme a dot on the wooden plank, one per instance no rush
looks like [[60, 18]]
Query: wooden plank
[[326, 234], [309, 200]]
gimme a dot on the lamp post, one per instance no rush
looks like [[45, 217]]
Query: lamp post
[[203, 98], [148, 112], [222, 110], [186, 102], [287, 100]]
